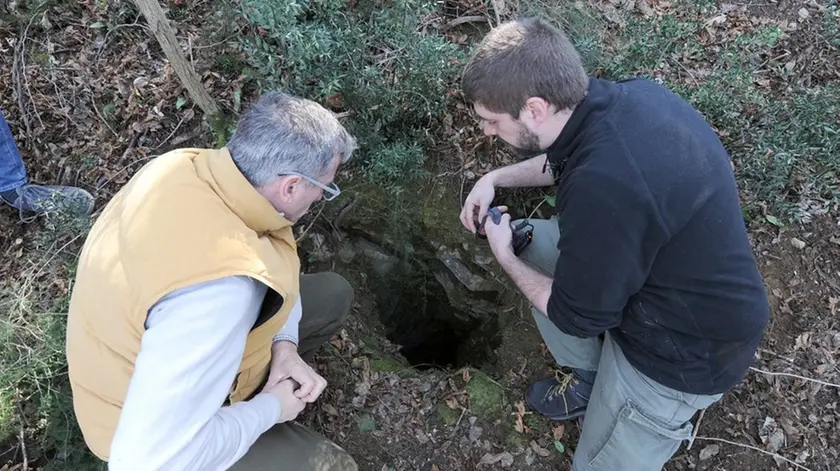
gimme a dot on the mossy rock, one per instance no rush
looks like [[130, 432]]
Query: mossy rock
[[486, 396]]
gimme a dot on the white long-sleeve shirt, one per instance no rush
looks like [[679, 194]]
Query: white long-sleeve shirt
[[173, 418]]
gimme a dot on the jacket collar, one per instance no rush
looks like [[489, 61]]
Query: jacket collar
[[240, 196]]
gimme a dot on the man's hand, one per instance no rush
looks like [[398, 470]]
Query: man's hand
[[478, 202], [500, 236], [290, 405], [286, 363]]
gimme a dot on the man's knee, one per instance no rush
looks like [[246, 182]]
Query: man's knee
[[541, 254], [332, 292], [297, 448], [339, 290]]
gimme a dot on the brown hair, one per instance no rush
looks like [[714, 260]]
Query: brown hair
[[522, 59]]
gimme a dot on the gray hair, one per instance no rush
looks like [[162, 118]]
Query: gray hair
[[283, 133]]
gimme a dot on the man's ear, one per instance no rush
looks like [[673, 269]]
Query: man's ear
[[288, 186], [537, 110]]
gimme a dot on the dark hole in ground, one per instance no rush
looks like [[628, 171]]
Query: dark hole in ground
[[417, 313]]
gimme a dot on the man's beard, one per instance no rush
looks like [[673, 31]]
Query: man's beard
[[528, 144]]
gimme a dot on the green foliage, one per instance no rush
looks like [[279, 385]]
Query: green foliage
[[392, 162], [784, 140], [376, 63], [33, 369]]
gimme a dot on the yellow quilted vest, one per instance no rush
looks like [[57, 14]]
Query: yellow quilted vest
[[186, 217]]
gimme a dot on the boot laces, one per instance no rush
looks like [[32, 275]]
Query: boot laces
[[564, 380]]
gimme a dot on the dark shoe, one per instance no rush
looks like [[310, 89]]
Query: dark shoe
[[41, 199], [563, 397]]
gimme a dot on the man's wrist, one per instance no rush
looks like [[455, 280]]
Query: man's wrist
[[492, 177], [283, 345], [506, 258]]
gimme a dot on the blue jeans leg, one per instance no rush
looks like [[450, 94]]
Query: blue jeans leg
[[12, 171]]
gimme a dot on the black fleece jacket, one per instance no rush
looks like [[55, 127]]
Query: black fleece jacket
[[653, 246]]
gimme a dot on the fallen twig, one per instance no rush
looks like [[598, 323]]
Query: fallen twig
[[25, 465], [770, 352], [96, 110], [17, 70], [186, 137], [466, 19], [696, 429], [342, 215], [773, 373], [177, 127], [303, 234], [535, 209], [497, 6], [744, 445], [125, 25], [123, 169], [131, 145], [463, 411]]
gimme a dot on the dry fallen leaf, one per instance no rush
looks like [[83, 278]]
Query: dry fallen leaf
[[772, 435], [452, 403], [709, 451], [504, 459], [520, 414], [539, 450], [559, 431]]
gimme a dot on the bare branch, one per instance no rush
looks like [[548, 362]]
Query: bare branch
[[772, 373]]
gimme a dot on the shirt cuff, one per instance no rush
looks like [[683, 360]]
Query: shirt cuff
[[290, 330]]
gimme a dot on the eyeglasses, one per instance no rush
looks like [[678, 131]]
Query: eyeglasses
[[330, 192]]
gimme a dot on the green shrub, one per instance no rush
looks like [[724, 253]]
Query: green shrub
[[373, 61], [785, 140]]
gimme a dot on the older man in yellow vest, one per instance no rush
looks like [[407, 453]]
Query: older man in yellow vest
[[190, 326]]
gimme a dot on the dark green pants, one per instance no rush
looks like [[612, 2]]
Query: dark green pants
[[326, 299]]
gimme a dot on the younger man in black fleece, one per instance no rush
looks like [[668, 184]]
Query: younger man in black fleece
[[648, 246]]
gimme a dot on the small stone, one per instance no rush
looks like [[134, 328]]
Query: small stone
[[475, 433], [772, 435], [709, 451], [802, 457], [140, 82], [539, 450], [803, 13], [530, 456], [346, 252], [799, 244]]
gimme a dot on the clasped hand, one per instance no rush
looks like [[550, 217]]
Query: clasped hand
[[292, 381]]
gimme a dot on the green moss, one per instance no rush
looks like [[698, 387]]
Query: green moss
[[446, 415], [439, 212], [486, 396], [515, 439], [373, 343], [387, 364]]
